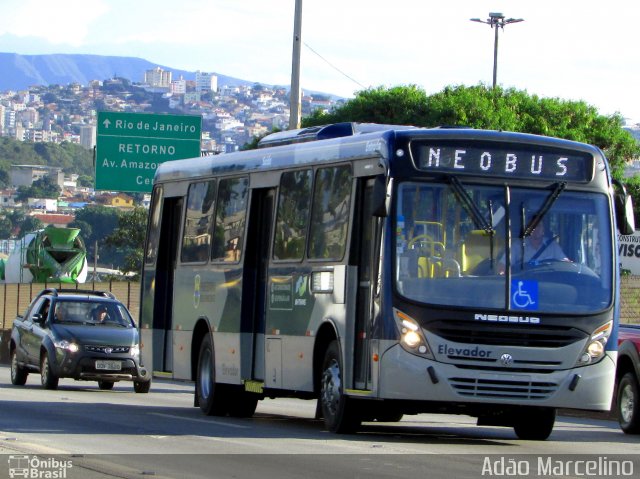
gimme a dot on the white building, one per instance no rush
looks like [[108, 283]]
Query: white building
[[158, 78], [206, 81], [179, 87], [88, 136]]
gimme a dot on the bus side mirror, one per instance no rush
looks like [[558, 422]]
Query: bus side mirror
[[379, 197], [624, 210]]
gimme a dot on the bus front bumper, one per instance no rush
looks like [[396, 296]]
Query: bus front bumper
[[405, 376]]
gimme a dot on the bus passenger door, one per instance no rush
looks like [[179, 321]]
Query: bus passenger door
[[367, 264], [254, 283], [163, 294]]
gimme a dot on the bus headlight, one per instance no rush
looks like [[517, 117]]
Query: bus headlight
[[412, 338], [595, 348]]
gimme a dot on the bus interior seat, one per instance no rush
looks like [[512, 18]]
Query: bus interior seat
[[430, 253], [476, 248]]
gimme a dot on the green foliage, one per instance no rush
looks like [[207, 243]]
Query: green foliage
[[102, 221], [19, 222], [488, 108], [70, 157], [128, 238], [45, 187], [29, 224]]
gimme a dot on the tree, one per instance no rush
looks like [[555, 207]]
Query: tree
[[489, 108], [102, 222], [128, 238], [30, 224], [6, 228], [45, 187]]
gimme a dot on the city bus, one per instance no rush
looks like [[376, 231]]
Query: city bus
[[383, 271]]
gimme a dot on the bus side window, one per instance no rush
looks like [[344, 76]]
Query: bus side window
[[154, 226], [231, 212], [330, 213], [197, 222], [292, 215]]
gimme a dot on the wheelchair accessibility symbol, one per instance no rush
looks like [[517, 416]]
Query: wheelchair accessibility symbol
[[524, 294]]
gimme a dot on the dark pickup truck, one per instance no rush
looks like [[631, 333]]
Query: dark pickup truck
[[627, 396]]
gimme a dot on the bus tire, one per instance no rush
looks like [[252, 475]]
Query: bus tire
[[242, 403], [628, 404], [208, 393], [535, 424], [339, 411]]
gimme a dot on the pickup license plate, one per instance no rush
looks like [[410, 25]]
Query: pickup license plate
[[103, 365]]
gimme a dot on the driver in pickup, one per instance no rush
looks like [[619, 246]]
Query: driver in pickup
[[536, 248]]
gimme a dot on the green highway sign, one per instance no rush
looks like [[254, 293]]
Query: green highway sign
[[130, 146]]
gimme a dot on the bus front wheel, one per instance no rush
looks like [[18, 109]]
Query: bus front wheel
[[535, 424], [339, 411], [207, 391]]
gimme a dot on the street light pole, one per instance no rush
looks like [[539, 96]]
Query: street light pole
[[496, 20], [295, 107]]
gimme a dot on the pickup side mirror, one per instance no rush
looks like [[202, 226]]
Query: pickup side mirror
[[623, 209], [38, 318]]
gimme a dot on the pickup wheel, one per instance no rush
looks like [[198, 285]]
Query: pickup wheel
[[628, 404], [48, 378], [141, 387], [18, 373]]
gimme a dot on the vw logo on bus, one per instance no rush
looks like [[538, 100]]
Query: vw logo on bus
[[506, 359]]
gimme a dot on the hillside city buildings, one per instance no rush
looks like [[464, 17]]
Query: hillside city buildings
[[231, 115]]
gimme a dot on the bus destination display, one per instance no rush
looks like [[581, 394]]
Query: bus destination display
[[504, 162]]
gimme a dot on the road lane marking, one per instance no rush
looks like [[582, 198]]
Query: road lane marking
[[204, 421]]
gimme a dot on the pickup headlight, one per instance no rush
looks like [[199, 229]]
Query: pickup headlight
[[66, 345], [135, 351], [412, 338], [595, 348]]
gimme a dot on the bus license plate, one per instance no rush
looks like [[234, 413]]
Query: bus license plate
[[108, 365]]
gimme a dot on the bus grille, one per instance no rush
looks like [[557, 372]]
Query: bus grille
[[494, 388], [538, 336]]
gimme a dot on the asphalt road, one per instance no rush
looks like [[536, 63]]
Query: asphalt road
[[122, 434]]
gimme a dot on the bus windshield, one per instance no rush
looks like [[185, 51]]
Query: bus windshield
[[502, 247]]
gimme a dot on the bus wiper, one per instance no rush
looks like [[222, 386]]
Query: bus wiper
[[537, 218], [471, 207], [476, 215]]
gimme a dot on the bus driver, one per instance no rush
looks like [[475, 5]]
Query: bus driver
[[536, 248]]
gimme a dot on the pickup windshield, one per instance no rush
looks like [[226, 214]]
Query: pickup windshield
[[501, 247]]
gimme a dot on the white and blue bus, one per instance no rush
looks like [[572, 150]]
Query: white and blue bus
[[388, 270]]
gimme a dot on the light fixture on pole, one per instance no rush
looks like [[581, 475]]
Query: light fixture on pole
[[496, 20]]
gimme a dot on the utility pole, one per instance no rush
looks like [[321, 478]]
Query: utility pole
[[295, 102], [496, 20]]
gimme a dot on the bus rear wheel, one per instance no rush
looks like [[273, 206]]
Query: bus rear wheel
[[339, 411], [535, 424], [208, 393]]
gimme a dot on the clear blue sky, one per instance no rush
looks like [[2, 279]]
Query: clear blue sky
[[571, 49]]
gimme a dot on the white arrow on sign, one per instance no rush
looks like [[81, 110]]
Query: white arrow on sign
[[106, 123]]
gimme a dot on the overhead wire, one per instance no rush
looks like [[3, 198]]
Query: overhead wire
[[334, 67]]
